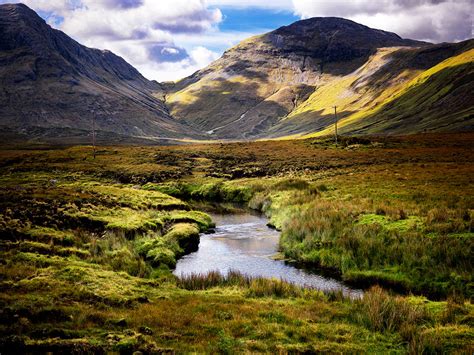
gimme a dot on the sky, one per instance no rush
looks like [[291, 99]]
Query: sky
[[170, 39]]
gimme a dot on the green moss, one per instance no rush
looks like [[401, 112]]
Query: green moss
[[457, 338], [182, 231], [135, 197], [120, 218], [46, 234], [158, 250], [202, 219], [98, 283], [39, 260], [186, 235], [402, 225]]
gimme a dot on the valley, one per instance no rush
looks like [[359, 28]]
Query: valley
[[223, 212]]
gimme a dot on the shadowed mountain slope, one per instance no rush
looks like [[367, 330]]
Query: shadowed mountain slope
[[50, 83]]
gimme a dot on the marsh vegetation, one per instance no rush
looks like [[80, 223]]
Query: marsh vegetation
[[88, 246]]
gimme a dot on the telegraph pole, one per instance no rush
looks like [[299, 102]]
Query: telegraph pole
[[93, 133], [335, 122]]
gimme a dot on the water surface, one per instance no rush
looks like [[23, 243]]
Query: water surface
[[243, 242]]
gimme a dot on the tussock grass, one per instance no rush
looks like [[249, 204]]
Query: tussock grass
[[374, 249], [254, 286], [384, 313]]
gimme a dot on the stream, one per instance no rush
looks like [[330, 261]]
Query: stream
[[243, 242]]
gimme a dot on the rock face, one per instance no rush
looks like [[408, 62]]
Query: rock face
[[330, 39], [51, 85]]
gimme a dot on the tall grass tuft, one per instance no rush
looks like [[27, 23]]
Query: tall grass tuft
[[255, 286], [379, 311], [204, 281]]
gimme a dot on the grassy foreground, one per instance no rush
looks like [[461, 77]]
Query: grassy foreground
[[88, 244]]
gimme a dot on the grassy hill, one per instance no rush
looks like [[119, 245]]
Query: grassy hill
[[437, 99]]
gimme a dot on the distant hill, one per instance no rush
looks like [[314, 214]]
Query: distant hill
[[52, 87], [285, 84]]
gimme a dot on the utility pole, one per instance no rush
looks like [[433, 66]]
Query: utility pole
[[93, 133], [335, 122]]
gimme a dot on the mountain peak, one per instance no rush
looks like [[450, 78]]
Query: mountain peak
[[289, 80], [20, 12], [17, 7], [52, 82], [21, 26], [333, 39]]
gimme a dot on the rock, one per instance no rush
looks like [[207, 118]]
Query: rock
[[143, 299], [122, 322], [146, 330]]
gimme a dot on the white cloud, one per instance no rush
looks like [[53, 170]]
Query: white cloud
[[201, 56], [198, 58], [141, 31], [169, 39], [430, 20], [266, 4]]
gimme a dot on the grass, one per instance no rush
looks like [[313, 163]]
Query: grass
[[86, 250]]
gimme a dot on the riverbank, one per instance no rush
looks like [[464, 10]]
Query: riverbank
[[88, 246]]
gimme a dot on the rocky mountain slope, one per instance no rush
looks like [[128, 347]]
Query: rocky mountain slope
[[286, 83], [52, 86]]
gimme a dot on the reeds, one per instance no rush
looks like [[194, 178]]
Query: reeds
[[255, 286]]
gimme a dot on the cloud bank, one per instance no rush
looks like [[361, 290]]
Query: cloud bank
[[170, 39], [428, 20]]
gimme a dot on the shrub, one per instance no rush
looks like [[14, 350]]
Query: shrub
[[261, 287], [437, 215]]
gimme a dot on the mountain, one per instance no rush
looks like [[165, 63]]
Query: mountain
[[282, 84], [51, 86], [286, 83]]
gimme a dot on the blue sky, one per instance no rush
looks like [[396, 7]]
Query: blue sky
[[254, 19], [170, 39]]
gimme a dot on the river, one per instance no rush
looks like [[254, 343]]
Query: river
[[243, 242]]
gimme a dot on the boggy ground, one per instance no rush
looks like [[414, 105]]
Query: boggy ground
[[87, 246]]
